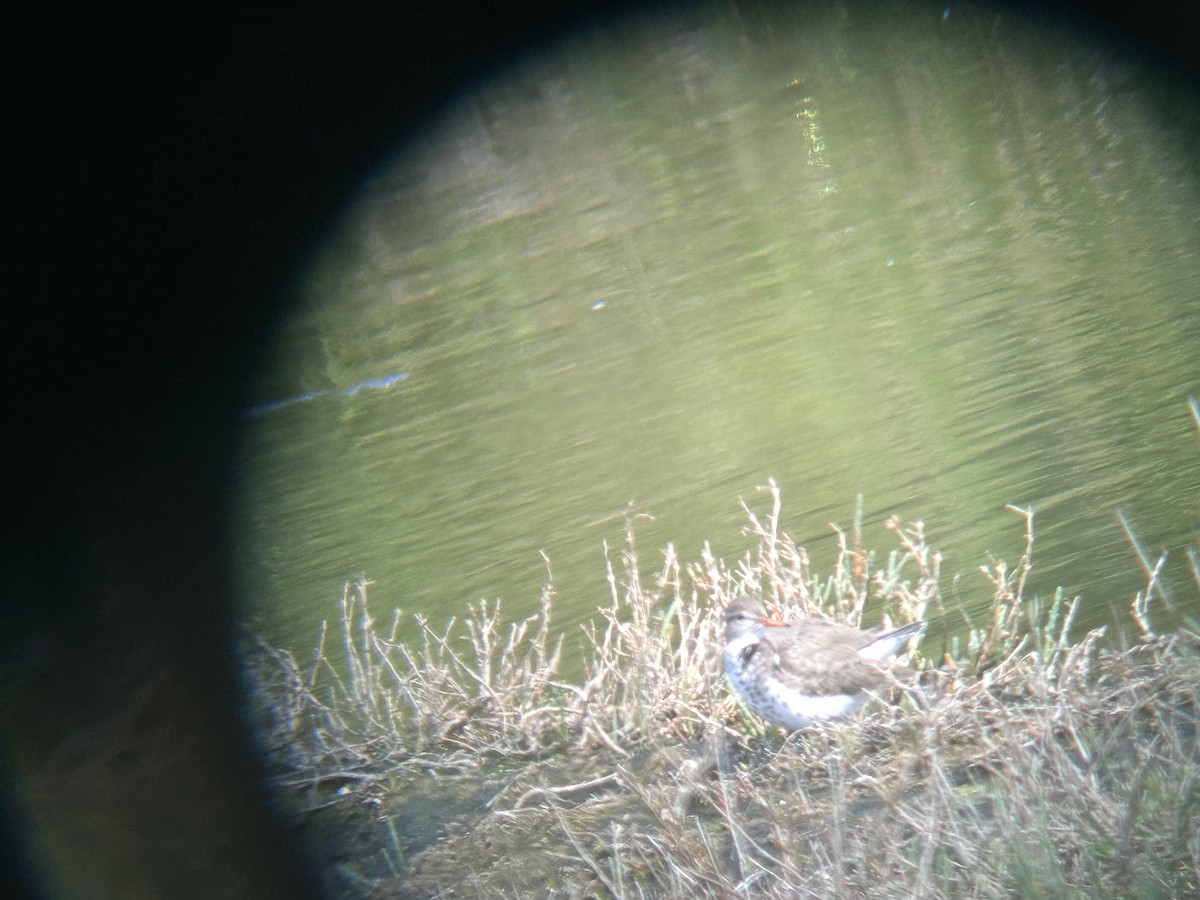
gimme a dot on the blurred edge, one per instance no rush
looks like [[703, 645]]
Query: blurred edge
[[173, 170]]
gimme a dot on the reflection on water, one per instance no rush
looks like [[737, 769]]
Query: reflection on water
[[382, 383], [947, 263]]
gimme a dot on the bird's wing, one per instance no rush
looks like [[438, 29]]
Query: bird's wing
[[884, 646], [820, 657]]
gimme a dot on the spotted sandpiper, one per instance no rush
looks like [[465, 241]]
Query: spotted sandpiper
[[797, 673]]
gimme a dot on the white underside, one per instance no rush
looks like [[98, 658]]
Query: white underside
[[801, 710], [788, 708]]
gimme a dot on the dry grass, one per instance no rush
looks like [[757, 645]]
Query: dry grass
[[1033, 762]]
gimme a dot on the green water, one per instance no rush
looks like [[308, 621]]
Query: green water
[[948, 263]]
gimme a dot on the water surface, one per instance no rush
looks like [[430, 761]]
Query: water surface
[[948, 263]]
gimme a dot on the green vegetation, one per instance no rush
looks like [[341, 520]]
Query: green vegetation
[[1031, 762]]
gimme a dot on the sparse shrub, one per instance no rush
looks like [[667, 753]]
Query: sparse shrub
[[1034, 762]]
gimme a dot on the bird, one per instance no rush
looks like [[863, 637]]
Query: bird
[[811, 670]]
